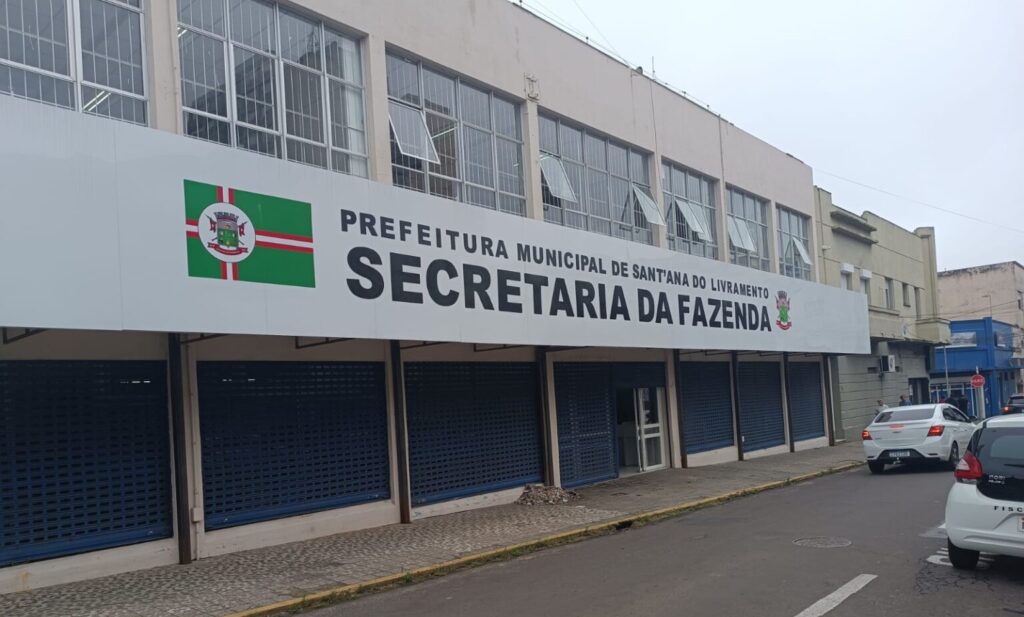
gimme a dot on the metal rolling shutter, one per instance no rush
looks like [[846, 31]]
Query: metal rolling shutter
[[806, 400], [761, 417], [638, 374], [705, 402], [286, 438], [84, 457], [586, 423], [474, 427]]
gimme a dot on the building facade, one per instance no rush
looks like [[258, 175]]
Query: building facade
[[993, 290], [274, 271], [976, 347], [895, 270]]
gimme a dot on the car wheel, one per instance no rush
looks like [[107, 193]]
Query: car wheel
[[954, 456], [962, 559], [876, 466]]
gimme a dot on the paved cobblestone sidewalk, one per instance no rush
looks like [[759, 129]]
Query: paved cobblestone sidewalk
[[241, 581]]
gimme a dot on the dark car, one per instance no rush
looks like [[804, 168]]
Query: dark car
[[1015, 404]]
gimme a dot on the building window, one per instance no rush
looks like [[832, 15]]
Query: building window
[[906, 294], [95, 65], [794, 244], [453, 139], [690, 211], [865, 287], [846, 280], [264, 79], [748, 230], [593, 183], [890, 300]]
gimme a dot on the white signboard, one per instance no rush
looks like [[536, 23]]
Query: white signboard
[[114, 227]]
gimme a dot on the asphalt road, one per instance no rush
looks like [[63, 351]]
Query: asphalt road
[[740, 559]]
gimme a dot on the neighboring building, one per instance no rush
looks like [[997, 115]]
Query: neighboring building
[[271, 273], [994, 290], [976, 346], [895, 268]]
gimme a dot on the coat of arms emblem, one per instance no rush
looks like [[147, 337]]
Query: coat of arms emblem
[[782, 303]]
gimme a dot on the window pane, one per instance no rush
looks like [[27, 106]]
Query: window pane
[[594, 152], [303, 104], [618, 160], [112, 46], [438, 93], [343, 58], [410, 131], [255, 91], [257, 141], [638, 168], [203, 83], [570, 143], [479, 156], [349, 164], [621, 199], [204, 14], [444, 135], [347, 124], [506, 119], [252, 24], [113, 105], [476, 106], [548, 135], [403, 80], [207, 128], [481, 197], [510, 166], [35, 33], [597, 193], [300, 40], [648, 207], [304, 152], [556, 179], [30, 85]]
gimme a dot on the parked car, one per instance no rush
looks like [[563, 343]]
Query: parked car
[[935, 433], [985, 508], [1015, 404]]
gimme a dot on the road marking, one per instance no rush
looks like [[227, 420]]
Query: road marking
[[941, 558], [837, 597]]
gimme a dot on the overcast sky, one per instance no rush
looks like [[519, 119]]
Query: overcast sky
[[922, 98]]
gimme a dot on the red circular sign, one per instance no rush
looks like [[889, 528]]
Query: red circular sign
[[978, 381]]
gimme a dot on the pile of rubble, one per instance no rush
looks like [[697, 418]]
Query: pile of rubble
[[538, 494]]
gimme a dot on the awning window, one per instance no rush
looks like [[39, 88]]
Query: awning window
[[740, 236], [648, 206], [696, 219], [556, 178], [801, 250], [411, 133]]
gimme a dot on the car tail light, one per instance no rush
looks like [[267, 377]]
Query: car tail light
[[865, 435], [968, 469], [936, 430], [1007, 409]]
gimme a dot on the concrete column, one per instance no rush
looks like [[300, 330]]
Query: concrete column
[[163, 70], [734, 382], [552, 432], [723, 203], [676, 438], [773, 237], [531, 161], [194, 451], [397, 403], [378, 128], [787, 408]]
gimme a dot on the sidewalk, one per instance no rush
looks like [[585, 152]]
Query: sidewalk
[[283, 575]]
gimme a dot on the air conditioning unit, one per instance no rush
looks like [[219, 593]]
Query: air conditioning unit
[[887, 364]]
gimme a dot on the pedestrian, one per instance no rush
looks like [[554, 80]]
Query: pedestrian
[[881, 407], [904, 401]]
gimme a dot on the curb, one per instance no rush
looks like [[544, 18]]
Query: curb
[[344, 592]]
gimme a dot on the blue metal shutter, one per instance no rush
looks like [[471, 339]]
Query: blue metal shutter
[[286, 438], [705, 402], [805, 399], [761, 417], [586, 422], [638, 374], [85, 458], [474, 427]]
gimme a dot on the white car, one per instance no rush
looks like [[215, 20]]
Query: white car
[[985, 508], [916, 434]]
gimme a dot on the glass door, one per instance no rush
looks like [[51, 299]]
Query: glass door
[[649, 433]]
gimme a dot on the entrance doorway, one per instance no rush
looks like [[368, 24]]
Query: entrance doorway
[[641, 435]]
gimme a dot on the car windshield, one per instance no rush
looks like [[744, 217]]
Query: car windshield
[[904, 415], [1016, 399]]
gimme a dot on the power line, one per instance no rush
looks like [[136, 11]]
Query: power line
[[598, 30], [922, 203]]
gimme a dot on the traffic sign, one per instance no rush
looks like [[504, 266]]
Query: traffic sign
[[977, 381]]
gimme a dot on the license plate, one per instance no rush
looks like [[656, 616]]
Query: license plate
[[899, 454], [1021, 524]]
